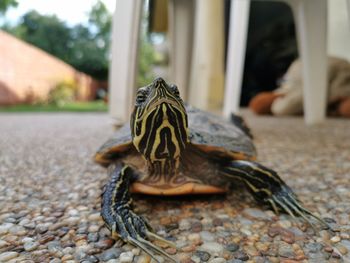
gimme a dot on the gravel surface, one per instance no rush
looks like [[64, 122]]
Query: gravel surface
[[50, 197]]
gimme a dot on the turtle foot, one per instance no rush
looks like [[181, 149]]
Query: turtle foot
[[286, 200], [268, 188], [135, 230], [122, 221]]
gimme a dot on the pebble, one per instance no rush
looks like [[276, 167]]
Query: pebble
[[110, 254], [184, 225], [194, 237], [217, 222], [246, 231], [263, 247], [335, 255], [314, 252], [344, 236], [105, 243], [91, 259], [18, 230], [195, 259], [93, 228], [213, 248], [126, 257], [94, 217], [144, 259], [253, 213], [137, 251], [56, 260], [232, 247], [189, 248], [30, 246], [93, 237], [202, 255], [342, 249], [217, 260], [285, 250], [46, 238], [24, 222], [241, 255], [54, 247], [196, 227], [3, 243], [6, 256], [207, 236], [284, 223], [251, 250], [41, 228], [67, 257], [346, 243], [30, 225], [27, 239], [335, 239], [170, 251], [67, 227]]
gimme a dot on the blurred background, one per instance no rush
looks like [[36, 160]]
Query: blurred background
[[88, 57], [56, 55]]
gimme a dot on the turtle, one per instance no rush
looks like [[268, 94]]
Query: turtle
[[171, 148]]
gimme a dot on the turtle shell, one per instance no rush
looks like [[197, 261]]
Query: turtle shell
[[207, 132], [115, 147], [218, 137]]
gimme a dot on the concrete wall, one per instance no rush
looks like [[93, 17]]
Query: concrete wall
[[28, 71]]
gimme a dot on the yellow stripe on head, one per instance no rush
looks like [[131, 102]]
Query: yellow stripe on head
[[159, 122]]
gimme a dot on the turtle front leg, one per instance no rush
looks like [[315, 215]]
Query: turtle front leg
[[267, 187], [121, 220]]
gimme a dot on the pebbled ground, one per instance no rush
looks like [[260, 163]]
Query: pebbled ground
[[50, 196]]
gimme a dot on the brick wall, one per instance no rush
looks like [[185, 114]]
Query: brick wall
[[28, 71]]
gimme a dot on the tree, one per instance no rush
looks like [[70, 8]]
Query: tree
[[92, 43], [85, 47], [46, 32], [5, 4]]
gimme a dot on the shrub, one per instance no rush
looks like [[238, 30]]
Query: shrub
[[63, 92]]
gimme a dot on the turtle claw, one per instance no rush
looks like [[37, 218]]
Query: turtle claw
[[286, 200], [149, 248], [267, 187], [151, 235], [122, 221], [134, 230]]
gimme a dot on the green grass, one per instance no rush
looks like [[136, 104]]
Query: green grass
[[91, 106]]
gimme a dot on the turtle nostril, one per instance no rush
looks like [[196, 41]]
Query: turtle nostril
[[158, 80]]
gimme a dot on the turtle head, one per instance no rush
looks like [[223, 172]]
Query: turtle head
[[159, 121]]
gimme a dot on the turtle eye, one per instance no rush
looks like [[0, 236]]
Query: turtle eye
[[175, 90], [141, 96]]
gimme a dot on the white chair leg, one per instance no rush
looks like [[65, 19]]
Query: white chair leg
[[311, 24], [207, 69], [181, 19], [122, 76], [239, 17]]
